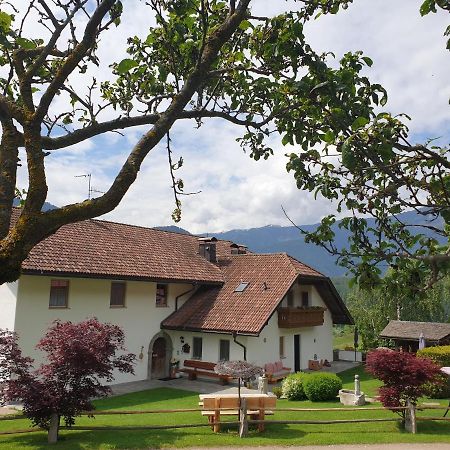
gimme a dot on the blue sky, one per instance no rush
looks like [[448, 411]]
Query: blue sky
[[410, 60]]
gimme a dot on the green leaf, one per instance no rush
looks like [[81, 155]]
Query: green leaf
[[446, 215], [25, 43], [367, 60], [5, 21], [427, 7], [244, 25], [329, 137], [359, 123], [125, 65], [287, 139], [348, 158]]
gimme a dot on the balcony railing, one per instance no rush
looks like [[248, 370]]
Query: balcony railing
[[300, 317]]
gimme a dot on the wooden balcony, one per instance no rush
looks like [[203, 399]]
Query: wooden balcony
[[300, 317]]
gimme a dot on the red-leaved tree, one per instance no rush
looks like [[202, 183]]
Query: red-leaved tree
[[404, 376], [80, 358]]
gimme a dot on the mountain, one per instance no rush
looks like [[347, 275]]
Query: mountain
[[173, 229], [273, 238], [46, 207]]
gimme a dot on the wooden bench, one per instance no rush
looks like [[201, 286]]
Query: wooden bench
[[257, 408], [276, 372], [194, 368]]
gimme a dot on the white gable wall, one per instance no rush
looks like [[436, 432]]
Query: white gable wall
[[8, 298], [316, 340], [140, 319]]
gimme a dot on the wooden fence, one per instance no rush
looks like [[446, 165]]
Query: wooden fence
[[243, 422]]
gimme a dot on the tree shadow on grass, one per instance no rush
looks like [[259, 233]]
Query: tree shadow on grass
[[433, 427], [82, 440]]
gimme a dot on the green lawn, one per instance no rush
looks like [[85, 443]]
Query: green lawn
[[369, 385], [344, 339], [274, 435]]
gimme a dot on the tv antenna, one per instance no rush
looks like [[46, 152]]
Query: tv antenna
[[90, 188]]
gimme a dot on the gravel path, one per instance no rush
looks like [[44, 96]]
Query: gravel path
[[428, 446]]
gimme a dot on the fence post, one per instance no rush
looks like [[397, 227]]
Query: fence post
[[410, 419], [243, 426], [53, 429]]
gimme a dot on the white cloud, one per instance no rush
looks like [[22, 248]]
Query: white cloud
[[410, 60]]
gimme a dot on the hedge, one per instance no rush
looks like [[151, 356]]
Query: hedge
[[441, 356]]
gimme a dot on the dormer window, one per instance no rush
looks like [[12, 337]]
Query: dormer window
[[242, 286]]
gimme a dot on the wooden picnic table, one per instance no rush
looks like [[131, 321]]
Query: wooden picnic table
[[257, 407]]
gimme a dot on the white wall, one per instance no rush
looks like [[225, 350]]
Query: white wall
[[210, 345], [316, 340], [8, 297], [140, 319]]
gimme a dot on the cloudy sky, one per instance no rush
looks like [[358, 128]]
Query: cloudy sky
[[410, 61]]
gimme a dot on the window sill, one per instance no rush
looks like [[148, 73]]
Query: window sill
[[58, 307], [117, 306]]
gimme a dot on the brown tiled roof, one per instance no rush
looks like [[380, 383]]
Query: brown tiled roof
[[96, 248], [432, 331], [223, 310]]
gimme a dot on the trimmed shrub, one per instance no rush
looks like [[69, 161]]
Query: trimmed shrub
[[292, 386], [441, 356], [277, 391], [321, 387]]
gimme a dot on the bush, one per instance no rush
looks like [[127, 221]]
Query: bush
[[321, 387], [404, 376], [277, 391], [441, 356], [292, 386]]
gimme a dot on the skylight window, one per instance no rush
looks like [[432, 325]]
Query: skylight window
[[242, 287]]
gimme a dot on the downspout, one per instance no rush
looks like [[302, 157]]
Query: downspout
[[240, 344], [184, 293]]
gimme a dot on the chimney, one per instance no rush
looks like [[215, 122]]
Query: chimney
[[242, 249], [234, 249], [207, 248]]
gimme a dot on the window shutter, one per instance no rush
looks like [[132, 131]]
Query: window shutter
[[117, 294]]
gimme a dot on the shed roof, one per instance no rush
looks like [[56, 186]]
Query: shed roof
[[406, 330]]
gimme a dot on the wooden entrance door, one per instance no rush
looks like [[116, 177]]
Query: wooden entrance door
[[296, 352], [159, 358]]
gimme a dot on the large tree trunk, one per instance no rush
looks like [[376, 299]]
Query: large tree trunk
[[53, 430]]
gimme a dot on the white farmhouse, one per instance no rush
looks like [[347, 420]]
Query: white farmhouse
[[175, 296]]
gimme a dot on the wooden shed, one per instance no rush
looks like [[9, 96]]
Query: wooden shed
[[406, 334]]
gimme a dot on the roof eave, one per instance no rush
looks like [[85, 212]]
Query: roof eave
[[344, 317], [403, 338], [37, 272], [209, 330]]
